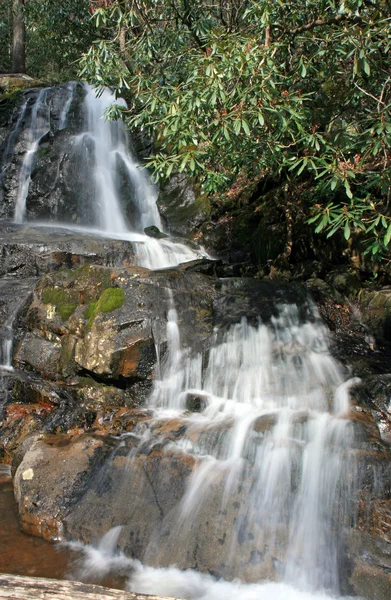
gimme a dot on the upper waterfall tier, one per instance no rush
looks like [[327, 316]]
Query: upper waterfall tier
[[64, 164]]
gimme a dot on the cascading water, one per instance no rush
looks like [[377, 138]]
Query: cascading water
[[13, 136], [70, 94], [266, 422], [111, 150], [121, 201], [264, 414], [39, 128]]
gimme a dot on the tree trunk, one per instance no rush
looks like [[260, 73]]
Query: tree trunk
[[18, 37]]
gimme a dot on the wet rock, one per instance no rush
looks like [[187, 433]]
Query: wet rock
[[254, 299], [85, 471], [109, 321], [28, 251], [40, 354], [370, 555], [47, 175], [40, 506], [181, 208], [196, 402], [154, 232], [374, 393]]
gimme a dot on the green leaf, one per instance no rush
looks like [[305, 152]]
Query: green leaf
[[367, 68], [245, 127], [346, 231], [347, 189], [387, 237], [322, 224]]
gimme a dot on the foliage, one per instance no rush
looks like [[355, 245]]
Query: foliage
[[256, 87], [5, 36], [57, 31]]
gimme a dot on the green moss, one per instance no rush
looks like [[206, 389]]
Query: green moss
[[63, 300], [109, 300]]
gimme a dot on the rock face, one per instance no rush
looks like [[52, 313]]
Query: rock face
[[108, 322], [376, 310], [48, 192], [28, 251], [182, 211], [61, 187]]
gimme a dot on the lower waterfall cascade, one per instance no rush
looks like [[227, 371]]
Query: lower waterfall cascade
[[260, 416], [271, 434]]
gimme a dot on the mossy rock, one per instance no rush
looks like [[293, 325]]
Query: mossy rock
[[65, 301], [109, 300], [154, 232]]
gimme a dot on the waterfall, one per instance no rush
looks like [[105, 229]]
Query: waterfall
[[70, 94], [265, 414], [7, 329], [123, 199], [279, 402], [112, 146]]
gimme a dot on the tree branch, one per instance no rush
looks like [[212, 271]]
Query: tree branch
[[335, 20]]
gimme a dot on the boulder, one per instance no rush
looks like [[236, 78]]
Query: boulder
[[109, 322]]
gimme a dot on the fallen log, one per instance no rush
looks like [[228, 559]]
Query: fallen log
[[37, 588]]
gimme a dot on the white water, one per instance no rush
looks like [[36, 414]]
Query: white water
[[7, 332], [105, 150], [39, 128], [272, 423], [298, 464], [70, 93], [95, 562]]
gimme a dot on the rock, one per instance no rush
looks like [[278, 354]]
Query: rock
[[345, 281], [154, 232], [254, 299], [376, 311], [182, 208], [69, 475], [32, 251], [109, 321], [119, 475], [196, 402], [32, 588], [11, 82]]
